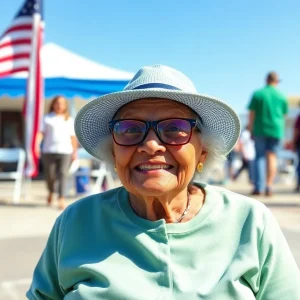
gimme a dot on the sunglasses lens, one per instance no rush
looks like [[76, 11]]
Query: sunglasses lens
[[129, 132], [174, 131]]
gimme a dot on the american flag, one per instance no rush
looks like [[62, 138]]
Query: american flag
[[20, 47]]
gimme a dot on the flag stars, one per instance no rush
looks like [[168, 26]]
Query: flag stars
[[30, 7]]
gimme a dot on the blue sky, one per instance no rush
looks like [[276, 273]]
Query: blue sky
[[225, 47]]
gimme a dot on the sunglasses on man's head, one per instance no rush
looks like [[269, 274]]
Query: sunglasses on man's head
[[130, 132]]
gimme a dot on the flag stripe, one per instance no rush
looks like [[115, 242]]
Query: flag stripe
[[14, 36], [18, 42], [18, 28], [14, 57], [11, 65], [9, 51], [14, 71]]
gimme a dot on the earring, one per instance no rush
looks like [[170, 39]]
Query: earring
[[200, 167], [115, 168]]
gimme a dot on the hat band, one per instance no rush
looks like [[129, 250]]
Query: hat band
[[156, 85]]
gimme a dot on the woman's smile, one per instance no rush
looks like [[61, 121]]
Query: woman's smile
[[152, 168]]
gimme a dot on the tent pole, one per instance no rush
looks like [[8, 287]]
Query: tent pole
[[72, 108]]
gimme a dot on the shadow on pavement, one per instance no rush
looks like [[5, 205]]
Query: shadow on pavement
[[282, 204], [21, 205]]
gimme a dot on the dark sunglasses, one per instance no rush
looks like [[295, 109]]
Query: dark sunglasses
[[130, 132]]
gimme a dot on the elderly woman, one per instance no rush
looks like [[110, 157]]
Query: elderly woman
[[164, 234]]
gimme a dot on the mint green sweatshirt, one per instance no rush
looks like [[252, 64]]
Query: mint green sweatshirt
[[100, 249]]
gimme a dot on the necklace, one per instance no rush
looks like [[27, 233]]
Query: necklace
[[186, 209]]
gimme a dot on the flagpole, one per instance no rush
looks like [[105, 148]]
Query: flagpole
[[33, 100]]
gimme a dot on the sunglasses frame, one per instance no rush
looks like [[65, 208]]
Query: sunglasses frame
[[149, 125]]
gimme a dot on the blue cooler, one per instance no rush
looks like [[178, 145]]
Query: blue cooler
[[82, 178]]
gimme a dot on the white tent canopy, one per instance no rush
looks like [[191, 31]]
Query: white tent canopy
[[60, 62]]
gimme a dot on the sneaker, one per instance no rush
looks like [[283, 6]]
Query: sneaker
[[255, 193]]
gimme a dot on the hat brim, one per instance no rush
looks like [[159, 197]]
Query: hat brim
[[91, 123]]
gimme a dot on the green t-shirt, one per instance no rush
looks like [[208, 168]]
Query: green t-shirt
[[269, 106], [232, 249]]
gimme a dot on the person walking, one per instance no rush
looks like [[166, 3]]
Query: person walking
[[247, 150], [59, 147], [267, 109]]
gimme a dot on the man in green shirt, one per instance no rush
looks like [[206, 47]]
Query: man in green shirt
[[266, 120]]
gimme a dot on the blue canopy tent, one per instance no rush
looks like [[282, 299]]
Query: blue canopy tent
[[69, 87]]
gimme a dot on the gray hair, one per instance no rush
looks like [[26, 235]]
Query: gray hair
[[212, 143]]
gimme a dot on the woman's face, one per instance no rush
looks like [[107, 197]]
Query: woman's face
[[179, 161], [60, 105]]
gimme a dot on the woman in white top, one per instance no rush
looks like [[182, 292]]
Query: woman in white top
[[59, 147]]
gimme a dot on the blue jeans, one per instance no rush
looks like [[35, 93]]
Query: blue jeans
[[251, 171], [262, 146]]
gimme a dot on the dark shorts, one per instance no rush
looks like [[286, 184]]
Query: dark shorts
[[266, 144]]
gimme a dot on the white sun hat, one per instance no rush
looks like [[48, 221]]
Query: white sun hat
[[158, 81]]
